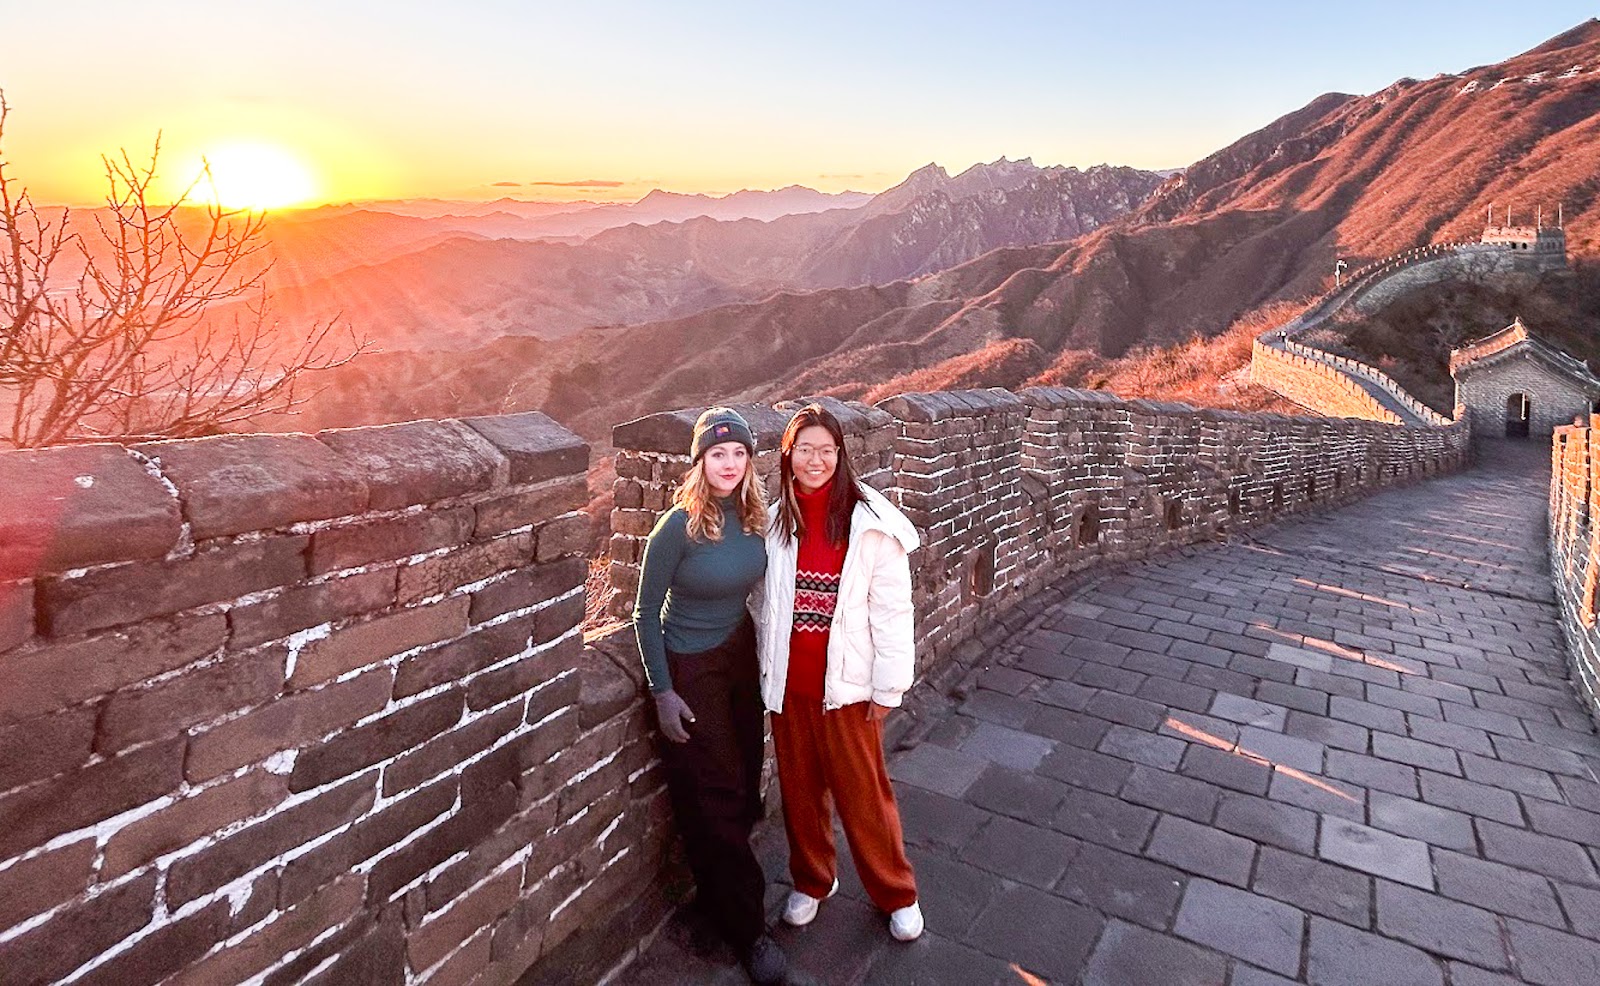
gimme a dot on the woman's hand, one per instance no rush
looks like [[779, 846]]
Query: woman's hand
[[672, 712], [876, 712]]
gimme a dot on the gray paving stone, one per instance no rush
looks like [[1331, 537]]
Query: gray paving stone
[[1331, 684], [953, 893], [1539, 853], [1374, 851], [1124, 885], [996, 707], [1470, 797], [1452, 735], [1171, 793], [1007, 681], [1064, 694], [1417, 820], [1263, 932], [1315, 886], [1249, 712], [1440, 925], [932, 819], [1142, 747], [934, 960], [1497, 887], [1563, 821], [1128, 954], [1177, 694], [1293, 697], [1282, 750], [1300, 657], [1201, 849], [1064, 726], [1044, 935], [1104, 820], [1127, 710], [1551, 958], [1019, 794], [1342, 956], [1198, 728], [1323, 795], [1006, 746], [1367, 714], [1583, 908], [1462, 974], [1226, 768], [1021, 852], [1388, 746], [1086, 769], [1380, 775], [1267, 821], [1329, 732], [935, 768]]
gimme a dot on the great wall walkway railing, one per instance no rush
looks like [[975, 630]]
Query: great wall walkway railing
[[1389, 401], [1341, 752]]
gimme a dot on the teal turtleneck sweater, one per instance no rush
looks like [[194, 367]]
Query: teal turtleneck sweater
[[692, 593]]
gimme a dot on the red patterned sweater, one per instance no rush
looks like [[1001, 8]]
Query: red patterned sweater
[[816, 592]]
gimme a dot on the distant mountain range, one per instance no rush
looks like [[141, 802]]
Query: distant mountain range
[[1259, 222], [451, 282]]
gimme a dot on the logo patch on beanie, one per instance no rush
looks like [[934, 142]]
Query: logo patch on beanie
[[720, 430]]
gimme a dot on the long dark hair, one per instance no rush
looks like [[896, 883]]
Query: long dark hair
[[842, 496]]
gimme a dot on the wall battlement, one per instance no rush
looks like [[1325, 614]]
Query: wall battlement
[[291, 709], [1575, 550]]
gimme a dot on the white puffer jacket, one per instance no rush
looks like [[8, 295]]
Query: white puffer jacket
[[871, 644]]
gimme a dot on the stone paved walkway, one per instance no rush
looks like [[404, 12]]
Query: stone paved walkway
[[1342, 753]]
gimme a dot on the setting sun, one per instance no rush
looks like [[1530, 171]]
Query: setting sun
[[257, 176]]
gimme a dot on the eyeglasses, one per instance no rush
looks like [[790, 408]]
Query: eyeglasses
[[817, 451]]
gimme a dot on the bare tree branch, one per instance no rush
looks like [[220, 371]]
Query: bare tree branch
[[132, 346]]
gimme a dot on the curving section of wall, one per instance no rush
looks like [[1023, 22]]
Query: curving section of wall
[[291, 709], [1575, 550], [1336, 385]]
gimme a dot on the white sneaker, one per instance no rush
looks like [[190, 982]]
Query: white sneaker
[[906, 923], [802, 908]]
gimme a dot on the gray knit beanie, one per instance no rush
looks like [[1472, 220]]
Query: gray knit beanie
[[717, 425]]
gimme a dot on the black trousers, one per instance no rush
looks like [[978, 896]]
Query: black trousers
[[714, 782]]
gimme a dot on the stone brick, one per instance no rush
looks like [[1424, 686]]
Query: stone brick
[[429, 944], [36, 885], [231, 484], [1129, 954], [373, 742], [107, 597], [171, 705], [1262, 932], [416, 461], [1171, 793], [1203, 850], [1439, 925], [528, 587], [524, 675], [1020, 852], [389, 826], [45, 746], [1269, 822], [1339, 956], [1418, 820], [1550, 958], [573, 534], [236, 855], [1124, 885], [537, 447], [386, 539], [1373, 851], [290, 931], [49, 952], [46, 677], [166, 950], [1040, 933], [286, 724], [1539, 853], [1320, 888], [302, 607], [1497, 887], [16, 613], [1470, 797], [362, 644], [78, 506], [525, 508], [469, 825], [191, 818], [436, 575], [375, 958], [32, 816], [1105, 820], [448, 749]]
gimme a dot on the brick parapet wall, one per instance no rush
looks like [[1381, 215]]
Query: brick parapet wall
[[1575, 551], [284, 708]]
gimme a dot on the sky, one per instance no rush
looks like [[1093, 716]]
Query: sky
[[338, 100]]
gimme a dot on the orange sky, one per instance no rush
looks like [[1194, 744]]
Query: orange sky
[[489, 97]]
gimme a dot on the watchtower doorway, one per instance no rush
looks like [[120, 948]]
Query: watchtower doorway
[[1519, 411]]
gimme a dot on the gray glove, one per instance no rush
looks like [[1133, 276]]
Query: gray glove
[[672, 712]]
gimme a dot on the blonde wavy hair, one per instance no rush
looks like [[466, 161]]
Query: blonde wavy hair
[[700, 502]]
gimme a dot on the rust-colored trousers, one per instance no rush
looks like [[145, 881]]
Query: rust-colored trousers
[[830, 760]]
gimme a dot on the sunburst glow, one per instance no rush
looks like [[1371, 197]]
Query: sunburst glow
[[256, 176]]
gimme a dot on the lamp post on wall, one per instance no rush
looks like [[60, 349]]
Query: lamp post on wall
[[1338, 268]]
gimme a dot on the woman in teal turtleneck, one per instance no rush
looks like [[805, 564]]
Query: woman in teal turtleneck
[[698, 647]]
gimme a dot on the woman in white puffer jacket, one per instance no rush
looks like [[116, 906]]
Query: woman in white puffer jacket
[[836, 645]]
